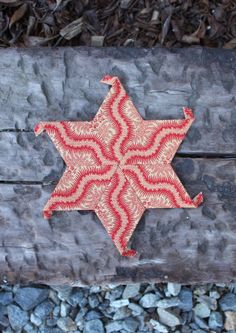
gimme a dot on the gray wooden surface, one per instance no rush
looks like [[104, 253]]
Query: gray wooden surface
[[183, 245]]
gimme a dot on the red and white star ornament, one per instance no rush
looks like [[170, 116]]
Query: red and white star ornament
[[118, 165]]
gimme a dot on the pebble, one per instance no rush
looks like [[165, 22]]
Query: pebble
[[136, 309], [6, 297], [119, 303], [56, 311], [114, 326], [201, 310], [173, 288], [4, 321], [94, 326], [186, 299], [94, 289], [66, 324], [201, 322], [93, 301], [158, 326], [63, 292], [3, 310], [122, 313], [131, 290], [115, 293], [28, 328], [44, 309], [214, 294], [168, 302], [78, 297], [228, 302], [64, 309], [149, 300], [35, 320], [168, 317], [209, 301], [50, 330], [54, 297], [130, 324], [17, 317], [93, 314], [51, 322], [230, 321], [29, 297], [215, 320]]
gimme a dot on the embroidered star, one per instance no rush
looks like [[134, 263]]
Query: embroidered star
[[118, 165]]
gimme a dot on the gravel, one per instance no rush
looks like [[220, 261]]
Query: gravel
[[141, 308]]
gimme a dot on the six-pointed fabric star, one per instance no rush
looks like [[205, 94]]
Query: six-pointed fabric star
[[118, 165]]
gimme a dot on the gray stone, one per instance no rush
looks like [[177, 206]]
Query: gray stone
[[215, 320], [113, 326], [166, 303], [94, 289], [50, 330], [95, 326], [201, 323], [93, 301], [168, 317], [209, 301], [158, 326], [5, 297], [56, 311], [3, 310], [186, 299], [66, 324], [35, 320], [65, 309], [29, 297], [104, 305], [131, 290], [173, 288], [78, 297], [228, 302], [8, 330], [63, 292], [93, 314], [17, 317], [201, 310], [130, 324], [230, 321], [149, 300], [115, 293], [80, 316], [4, 321], [54, 297], [122, 313], [28, 328], [119, 303], [136, 309], [51, 322], [44, 309], [214, 294]]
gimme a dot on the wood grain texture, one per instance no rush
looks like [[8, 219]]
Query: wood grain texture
[[64, 83], [182, 245]]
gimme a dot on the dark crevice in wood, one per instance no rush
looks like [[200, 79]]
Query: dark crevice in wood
[[206, 155], [24, 182], [16, 130]]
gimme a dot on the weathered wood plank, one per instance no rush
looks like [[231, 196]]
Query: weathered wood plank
[[46, 84], [24, 157], [182, 245]]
